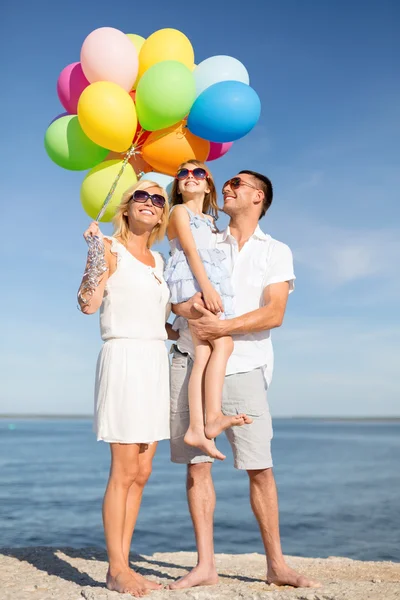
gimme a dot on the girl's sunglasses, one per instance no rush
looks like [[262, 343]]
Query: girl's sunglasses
[[198, 173], [235, 183], [142, 196]]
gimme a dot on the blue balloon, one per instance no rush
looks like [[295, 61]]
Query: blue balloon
[[224, 112]]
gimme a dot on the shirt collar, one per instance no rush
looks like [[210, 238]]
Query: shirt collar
[[258, 234]]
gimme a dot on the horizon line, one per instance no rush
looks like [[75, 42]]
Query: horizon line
[[48, 416]]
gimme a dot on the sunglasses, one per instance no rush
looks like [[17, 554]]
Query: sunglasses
[[236, 182], [198, 173], [142, 196]]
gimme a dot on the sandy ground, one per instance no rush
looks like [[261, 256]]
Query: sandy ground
[[68, 574]]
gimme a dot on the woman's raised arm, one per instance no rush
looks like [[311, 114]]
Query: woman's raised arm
[[97, 271]]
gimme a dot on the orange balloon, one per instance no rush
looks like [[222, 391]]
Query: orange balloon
[[138, 163], [167, 148]]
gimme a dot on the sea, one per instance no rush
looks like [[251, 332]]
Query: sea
[[338, 484]]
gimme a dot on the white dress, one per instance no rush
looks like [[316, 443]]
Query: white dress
[[132, 375]]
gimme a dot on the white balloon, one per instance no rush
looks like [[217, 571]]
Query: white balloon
[[165, 181], [219, 68]]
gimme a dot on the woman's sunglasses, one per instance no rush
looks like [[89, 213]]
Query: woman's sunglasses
[[198, 173], [236, 182], [142, 196]]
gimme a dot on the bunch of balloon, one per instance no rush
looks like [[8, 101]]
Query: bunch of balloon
[[139, 107]]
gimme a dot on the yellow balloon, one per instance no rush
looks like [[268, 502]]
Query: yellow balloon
[[107, 115], [137, 41], [97, 184], [165, 44]]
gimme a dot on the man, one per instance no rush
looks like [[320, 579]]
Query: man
[[262, 277]]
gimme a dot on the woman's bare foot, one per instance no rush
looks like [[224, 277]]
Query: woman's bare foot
[[148, 584], [287, 576], [222, 422], [197, 576], [125, 583], [199, 440]]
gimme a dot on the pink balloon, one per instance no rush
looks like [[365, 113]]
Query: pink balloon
[[70, 86], [107, 54], [217, 150]]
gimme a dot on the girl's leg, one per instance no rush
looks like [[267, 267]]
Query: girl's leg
[[146, 455], [216, 421], [195, 435], [123, 472]]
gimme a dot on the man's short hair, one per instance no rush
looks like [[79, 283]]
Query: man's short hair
[[265, 186]]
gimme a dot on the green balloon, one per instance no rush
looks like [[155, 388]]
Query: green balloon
[[69, 147], [165, 95]]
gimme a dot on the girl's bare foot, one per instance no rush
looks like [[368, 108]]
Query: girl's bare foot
[[199, 440], [146, 583], [125, 583], [222, 422]]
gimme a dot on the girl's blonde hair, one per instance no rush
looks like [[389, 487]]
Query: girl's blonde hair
[[120, 221], [210, 205]]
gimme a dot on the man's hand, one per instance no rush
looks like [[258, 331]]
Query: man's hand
[[186, 309], [208, 326]]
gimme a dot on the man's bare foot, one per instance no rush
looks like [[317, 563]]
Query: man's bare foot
[[222, 422], [125, 583], [287, 576], [199, 440], [148, 584], [197, 576]]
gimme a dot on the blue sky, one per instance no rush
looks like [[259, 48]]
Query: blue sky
[[328, 78]]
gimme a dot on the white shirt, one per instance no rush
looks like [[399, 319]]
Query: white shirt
[[261, 262]]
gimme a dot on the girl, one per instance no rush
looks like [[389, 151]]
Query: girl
[[196, 265], [124, 278]]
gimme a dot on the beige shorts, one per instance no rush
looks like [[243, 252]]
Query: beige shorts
[[243, 393]]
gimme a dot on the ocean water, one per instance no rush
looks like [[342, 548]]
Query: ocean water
[[338, 483]]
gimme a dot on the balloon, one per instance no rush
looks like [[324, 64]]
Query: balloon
[[137, 41], [165, 181], [165, 150], [218, 150], [97, 184], [68, 146], [164, 95], [107, 54], [165, 44], [225, 112], [107, 115], [70, 86], [219, 68]]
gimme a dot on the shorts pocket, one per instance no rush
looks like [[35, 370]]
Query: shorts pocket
[[179, 402], [179, 361], [245, 393]]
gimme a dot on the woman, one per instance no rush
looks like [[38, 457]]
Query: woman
[[124, 278]]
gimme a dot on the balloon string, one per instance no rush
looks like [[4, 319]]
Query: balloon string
[[106, 202], [134, 149]]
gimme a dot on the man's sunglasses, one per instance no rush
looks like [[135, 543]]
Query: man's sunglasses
[[198, 173], [142, 196], [236, 182]]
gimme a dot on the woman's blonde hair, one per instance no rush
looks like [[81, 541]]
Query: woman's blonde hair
[[120, 221], [210, 205]]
